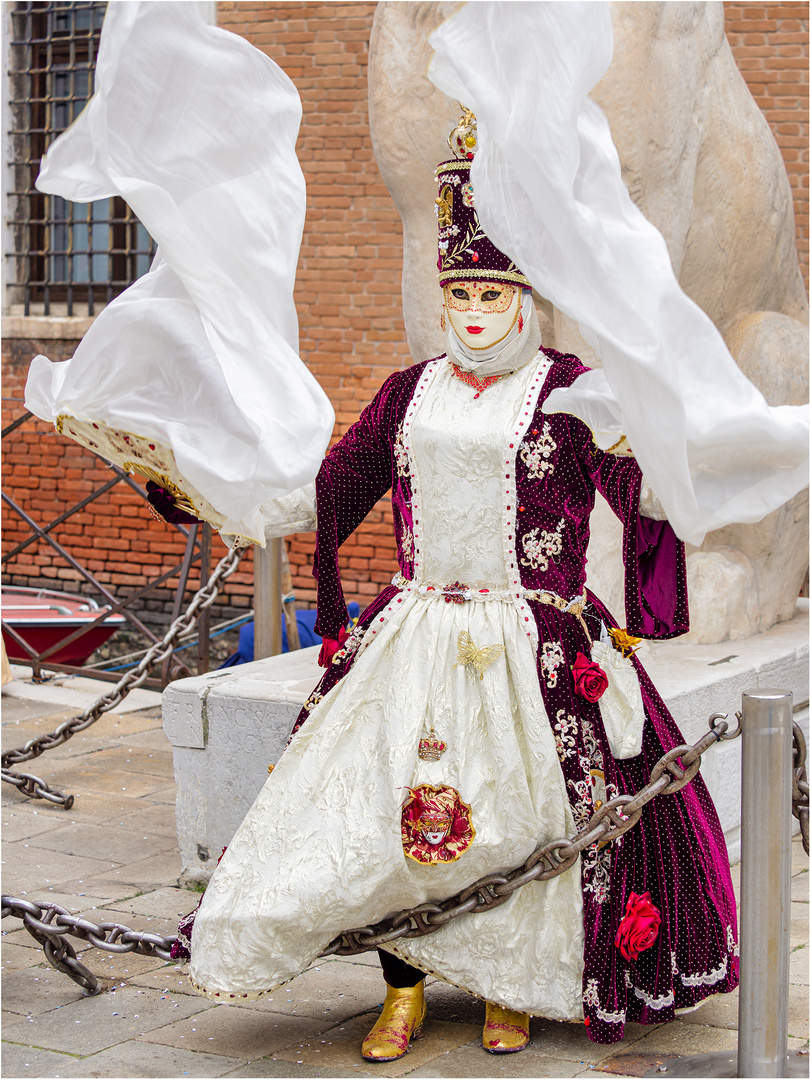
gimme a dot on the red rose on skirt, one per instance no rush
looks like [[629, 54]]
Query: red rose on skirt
[[590, 681], [640, 927]]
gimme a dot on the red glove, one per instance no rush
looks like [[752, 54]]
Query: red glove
[[329, 647]]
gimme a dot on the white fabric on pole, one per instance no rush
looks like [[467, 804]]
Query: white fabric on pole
[[549, 193], [196, 129]]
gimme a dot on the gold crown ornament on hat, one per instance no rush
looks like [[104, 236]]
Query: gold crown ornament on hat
[[465, 253]]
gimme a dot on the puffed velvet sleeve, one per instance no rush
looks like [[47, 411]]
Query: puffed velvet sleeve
[[354, 475], [652, 554]]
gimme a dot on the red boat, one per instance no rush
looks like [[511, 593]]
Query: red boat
[[42, 617]]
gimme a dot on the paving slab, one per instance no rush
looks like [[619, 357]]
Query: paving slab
[[166, 903], [22, 823], [340, 1048], [151, 739], [557, 1039], [159, 870], [155, 819], [36, 990], [15, 957], [129, 1059], [167, 979], [474, 1061], [92, 1024], [720, 1011], [275, 1067], [133, 759], [119, 968], [35, 868], [73, 692], [19, 1061], [238, 1032], [83, 778], [327, 990], [799, 887], [679, 1038], [798, 965], [109, 842]]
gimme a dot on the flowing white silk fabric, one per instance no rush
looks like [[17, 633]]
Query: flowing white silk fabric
[[549, 193], [196, 129]]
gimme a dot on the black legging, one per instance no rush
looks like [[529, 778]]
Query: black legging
[[397, 972]]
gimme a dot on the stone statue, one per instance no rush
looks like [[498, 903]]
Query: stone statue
[[700, 161]]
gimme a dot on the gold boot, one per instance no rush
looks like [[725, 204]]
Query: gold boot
[[505, 1031], [399, 1023]]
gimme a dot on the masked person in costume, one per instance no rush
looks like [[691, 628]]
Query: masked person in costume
[[486, 703]]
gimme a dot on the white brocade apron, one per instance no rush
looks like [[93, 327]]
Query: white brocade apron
[[320, 850]]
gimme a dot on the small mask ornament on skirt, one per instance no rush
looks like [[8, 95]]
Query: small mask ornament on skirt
[[436, 826], [482, 313]]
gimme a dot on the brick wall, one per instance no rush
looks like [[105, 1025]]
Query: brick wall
[[770, 45], [348, 291]]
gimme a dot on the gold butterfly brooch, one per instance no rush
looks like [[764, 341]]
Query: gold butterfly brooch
[[478, 659]]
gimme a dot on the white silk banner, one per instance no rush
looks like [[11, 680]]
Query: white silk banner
[[196, 129], [549, 193]]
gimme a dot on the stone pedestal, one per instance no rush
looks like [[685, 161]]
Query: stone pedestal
[[228, 726]]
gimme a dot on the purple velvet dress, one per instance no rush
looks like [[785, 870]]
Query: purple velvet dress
[[677, 851]]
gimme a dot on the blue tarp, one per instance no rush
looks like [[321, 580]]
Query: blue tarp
[[306, 633]]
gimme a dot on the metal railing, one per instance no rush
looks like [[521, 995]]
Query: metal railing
[[197, 554]]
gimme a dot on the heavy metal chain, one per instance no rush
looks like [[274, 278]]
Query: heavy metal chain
[[49, 923], [36, 788]]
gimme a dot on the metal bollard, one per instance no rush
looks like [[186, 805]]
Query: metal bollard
[[766, 787], [765, 883]]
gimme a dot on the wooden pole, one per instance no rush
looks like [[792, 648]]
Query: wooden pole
[[267, 600]]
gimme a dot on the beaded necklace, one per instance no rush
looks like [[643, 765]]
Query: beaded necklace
[[470, 379]]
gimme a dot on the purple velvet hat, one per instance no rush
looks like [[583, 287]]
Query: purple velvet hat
[[465, 253]]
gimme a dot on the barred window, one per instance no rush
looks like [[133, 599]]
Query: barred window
[[69, 258]]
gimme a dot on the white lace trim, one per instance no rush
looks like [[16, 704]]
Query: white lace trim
[[663, 1002], [611, 1017], [707, 978], [510, 497]]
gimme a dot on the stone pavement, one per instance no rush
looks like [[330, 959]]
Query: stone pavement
[[114, 857]]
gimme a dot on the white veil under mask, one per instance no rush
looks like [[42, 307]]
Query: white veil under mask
[[196, 129], [549, 193]]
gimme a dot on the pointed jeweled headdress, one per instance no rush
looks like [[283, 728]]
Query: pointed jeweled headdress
[[465, 253]]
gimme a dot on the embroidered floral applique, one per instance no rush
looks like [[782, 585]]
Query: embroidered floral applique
[[628, 980], [401, 462], [591, 791], [674, 967], [350, 646], [591, 996], [539, 549], [551, 659], [565, 731], [407, 544], [313, 700], [535, 454], [732, 945]]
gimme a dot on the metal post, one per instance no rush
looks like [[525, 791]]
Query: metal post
[[267, 600], [765, 883], [766, 789]]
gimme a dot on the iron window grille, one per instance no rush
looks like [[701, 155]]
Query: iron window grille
[[69, 258]]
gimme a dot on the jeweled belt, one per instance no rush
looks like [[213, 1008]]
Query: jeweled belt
[[458, 593]]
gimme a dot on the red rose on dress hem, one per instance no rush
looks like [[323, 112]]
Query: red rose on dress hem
[[640, 927], [590, 681]]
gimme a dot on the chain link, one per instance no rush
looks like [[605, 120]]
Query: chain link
[[49, 923], [34, 786]]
